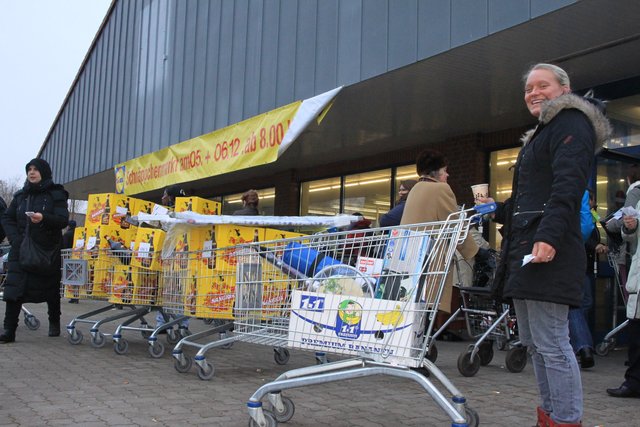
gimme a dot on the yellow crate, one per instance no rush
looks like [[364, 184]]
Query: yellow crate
[[215, 296], [97, 239], [106, 209], [148, 248], [229, 235], [215, 292], [197, 205], [122, 287], [79, 239], [146, 287]]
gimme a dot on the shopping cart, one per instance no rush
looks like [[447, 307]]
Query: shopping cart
[[30, 320], [380, 312], [488, 321], [202, 284], [609, 340], [99, 274]]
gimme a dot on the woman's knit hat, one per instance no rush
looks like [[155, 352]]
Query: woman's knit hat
[[42, 166]]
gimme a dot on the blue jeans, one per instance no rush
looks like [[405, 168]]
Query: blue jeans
[[160, 320], [579, 332], [544, 328]]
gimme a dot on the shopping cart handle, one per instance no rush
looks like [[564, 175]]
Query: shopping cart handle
[[486, 208]]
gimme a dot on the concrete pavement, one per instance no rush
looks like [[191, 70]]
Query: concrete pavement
[[47, 382]]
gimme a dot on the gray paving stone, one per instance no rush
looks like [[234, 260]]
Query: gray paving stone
[[47, 381]]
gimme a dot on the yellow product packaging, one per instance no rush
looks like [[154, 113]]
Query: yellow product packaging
[[187, 250], [101, 271], [214, 298], [131, 237], [79, 239], [142, 206], [146, 289], [107, 209], [121, 291], [98, 237], [197, 205], [148, 248], [230, 235]]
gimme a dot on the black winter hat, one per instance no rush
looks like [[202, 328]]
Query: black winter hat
[[42, 166], [174, 191]]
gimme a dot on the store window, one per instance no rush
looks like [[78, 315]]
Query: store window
[[233, 202], [500, 180], [320, 197], [368, 194]]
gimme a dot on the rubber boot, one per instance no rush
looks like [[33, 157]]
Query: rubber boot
[[54, 328], [543, 418]]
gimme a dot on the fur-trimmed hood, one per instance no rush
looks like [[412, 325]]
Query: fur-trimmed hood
[[592, 108]]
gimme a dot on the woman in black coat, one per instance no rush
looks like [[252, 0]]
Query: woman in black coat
[[542, 225], [46, 204]]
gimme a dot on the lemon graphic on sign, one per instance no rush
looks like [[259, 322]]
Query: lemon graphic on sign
[[391, 318], [120, 180]]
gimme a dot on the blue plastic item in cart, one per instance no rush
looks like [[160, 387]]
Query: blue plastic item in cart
[[305, 259]]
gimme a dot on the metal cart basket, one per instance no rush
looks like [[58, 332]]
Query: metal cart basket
[[368, 295]]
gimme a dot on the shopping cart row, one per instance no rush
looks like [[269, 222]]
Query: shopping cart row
[[369, 299]]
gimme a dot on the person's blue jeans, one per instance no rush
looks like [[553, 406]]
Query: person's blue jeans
[[544, 328], [160, 320], [579, 332]]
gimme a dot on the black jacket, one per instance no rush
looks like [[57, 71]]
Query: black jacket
[[51, 200], [549, 180], [3, 207]]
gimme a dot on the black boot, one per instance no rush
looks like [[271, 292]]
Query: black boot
[[54, 329], [7, 337]]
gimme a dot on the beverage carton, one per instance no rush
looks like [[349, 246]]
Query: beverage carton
[[197, 205], [107, 209], [147, 248]]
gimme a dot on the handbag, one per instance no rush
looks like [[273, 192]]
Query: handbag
[[33, 257]]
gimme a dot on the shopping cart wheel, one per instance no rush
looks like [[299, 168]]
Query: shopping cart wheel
[[98, 340], [287, 412], [281, 355], [121, 346], [485, 352], [31, 322], [172, 336], [605, 347], [207, 373], [156, 350], [75, 337], [472, 417], [516, 359], [466, 366], [269, 418], [432, 355], [183, 365]]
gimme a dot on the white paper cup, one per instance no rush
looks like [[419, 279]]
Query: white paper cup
[[480, 190]]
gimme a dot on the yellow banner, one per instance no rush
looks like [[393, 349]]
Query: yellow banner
[[252, 142]]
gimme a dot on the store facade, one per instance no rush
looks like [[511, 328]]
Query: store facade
[[418, 73]]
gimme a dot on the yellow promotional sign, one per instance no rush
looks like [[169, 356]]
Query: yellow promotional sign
[[249, 143]]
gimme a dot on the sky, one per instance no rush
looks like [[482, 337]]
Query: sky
[[42, 45]]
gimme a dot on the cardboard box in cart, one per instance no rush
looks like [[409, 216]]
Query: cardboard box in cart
[[197, 205], [391, 330], [148, 248]]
